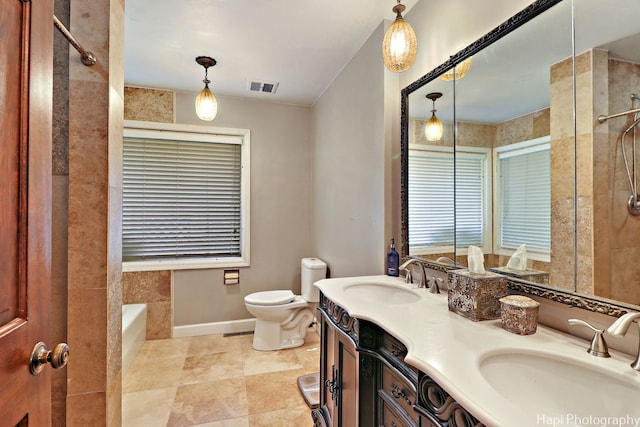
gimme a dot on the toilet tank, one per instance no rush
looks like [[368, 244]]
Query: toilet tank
[[313, 269]]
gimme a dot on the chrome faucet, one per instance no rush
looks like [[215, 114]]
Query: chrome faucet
[[621, 326], [408, 278], [598, 345]]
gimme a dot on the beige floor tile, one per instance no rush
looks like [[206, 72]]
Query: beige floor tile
[[234, 422], [151, 374], [261, 362], [150, 408], [211, 367], [292, 417], [164, 349], [206, 402], [216, 381], [209, 344], [274, 391], [309, 357]]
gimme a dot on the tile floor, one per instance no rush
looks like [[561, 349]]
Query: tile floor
[[216, 381]]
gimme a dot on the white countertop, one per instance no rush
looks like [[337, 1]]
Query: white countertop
[[449, 348]]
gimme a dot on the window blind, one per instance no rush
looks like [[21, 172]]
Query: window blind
[[431, 202], [181, 199], [470, 201], [525, 192]]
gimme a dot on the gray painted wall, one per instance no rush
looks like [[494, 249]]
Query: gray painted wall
[[280, 209]]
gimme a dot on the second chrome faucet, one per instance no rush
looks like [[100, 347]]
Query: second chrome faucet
[[620, 327]]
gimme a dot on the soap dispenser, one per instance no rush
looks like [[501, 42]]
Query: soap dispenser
[[393, 260]]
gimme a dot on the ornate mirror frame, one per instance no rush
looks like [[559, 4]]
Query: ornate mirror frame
[[587, 302]]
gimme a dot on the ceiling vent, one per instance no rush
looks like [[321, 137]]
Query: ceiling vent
[[264, 87]]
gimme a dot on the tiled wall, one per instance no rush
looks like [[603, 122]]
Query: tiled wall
[[562, 180], [620, 264], [152, 287], [94, 251]]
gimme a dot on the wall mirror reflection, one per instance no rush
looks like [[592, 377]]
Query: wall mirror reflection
[[524, 169]]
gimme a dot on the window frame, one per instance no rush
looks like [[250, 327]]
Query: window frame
[[154, 130], [532, 145], [485, 153]]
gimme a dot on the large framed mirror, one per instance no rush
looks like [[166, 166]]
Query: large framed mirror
[[524, 169]]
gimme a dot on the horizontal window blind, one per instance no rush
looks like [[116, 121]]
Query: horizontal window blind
[[525, 193], [432, 213], [470, 201], [181, 199], [431, 219]]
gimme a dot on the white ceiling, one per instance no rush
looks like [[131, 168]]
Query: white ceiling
[[302, 45], [511, 77]]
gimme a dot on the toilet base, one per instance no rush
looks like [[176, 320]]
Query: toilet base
[[269, 336]]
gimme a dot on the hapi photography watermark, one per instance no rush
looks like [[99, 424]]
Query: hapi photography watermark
[[587, 421]]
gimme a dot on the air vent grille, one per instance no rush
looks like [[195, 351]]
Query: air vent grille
[[262, 86]]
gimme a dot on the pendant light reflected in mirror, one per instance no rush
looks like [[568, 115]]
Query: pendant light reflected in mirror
[[459, 71], [206, 103], [399, 47], [433, 129]]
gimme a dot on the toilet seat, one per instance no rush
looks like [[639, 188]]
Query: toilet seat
[[268, 298]]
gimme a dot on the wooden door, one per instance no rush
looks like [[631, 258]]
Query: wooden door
[[26, 46]]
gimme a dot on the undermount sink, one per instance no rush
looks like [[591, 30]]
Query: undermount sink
[[382, 292], [556, 386]]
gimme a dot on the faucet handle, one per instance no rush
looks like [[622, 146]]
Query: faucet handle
[[435, 286], [598, 345]]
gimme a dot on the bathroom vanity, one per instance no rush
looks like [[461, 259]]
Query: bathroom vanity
[[365, 380], [394, 355]]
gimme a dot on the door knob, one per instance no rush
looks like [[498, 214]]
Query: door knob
[[40, 356]]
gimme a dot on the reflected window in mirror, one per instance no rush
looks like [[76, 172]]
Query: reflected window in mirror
[[523, 198], [433, 196]]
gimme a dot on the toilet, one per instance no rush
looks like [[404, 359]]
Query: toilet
[[282, 318]]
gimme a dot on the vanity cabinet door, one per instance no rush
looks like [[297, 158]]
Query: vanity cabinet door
[[338, 378]]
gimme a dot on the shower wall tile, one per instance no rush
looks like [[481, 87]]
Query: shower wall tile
[[625, 275], [94, 215], [562, 167], [146, 286], [86, 409], [476, 135], [87, 341], [159, 320], [152, 105], [154, 289]]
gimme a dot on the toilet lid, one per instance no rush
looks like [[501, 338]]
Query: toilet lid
[[270, 297]]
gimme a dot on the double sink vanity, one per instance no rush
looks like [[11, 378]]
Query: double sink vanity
[[393, 354]]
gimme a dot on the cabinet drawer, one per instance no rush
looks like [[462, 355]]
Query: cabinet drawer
[[390, 416], [394, 347], [400, 390]]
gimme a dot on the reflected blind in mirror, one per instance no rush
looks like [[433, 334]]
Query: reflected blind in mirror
[[525, 196], [432, 218]]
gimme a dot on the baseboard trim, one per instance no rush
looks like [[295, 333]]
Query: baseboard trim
[[230, 326]]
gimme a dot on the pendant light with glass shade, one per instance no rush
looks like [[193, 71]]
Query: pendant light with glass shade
[[206, 103], [399, 47], [433, 129], [459, 71]]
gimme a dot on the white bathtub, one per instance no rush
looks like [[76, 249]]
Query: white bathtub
[[134, 332]]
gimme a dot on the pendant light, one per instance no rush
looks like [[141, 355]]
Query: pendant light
[[206, 103], [459, 71], [399, 46], [433, 129]]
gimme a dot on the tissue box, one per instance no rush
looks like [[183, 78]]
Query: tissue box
[[476, 296], [519, 314]]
